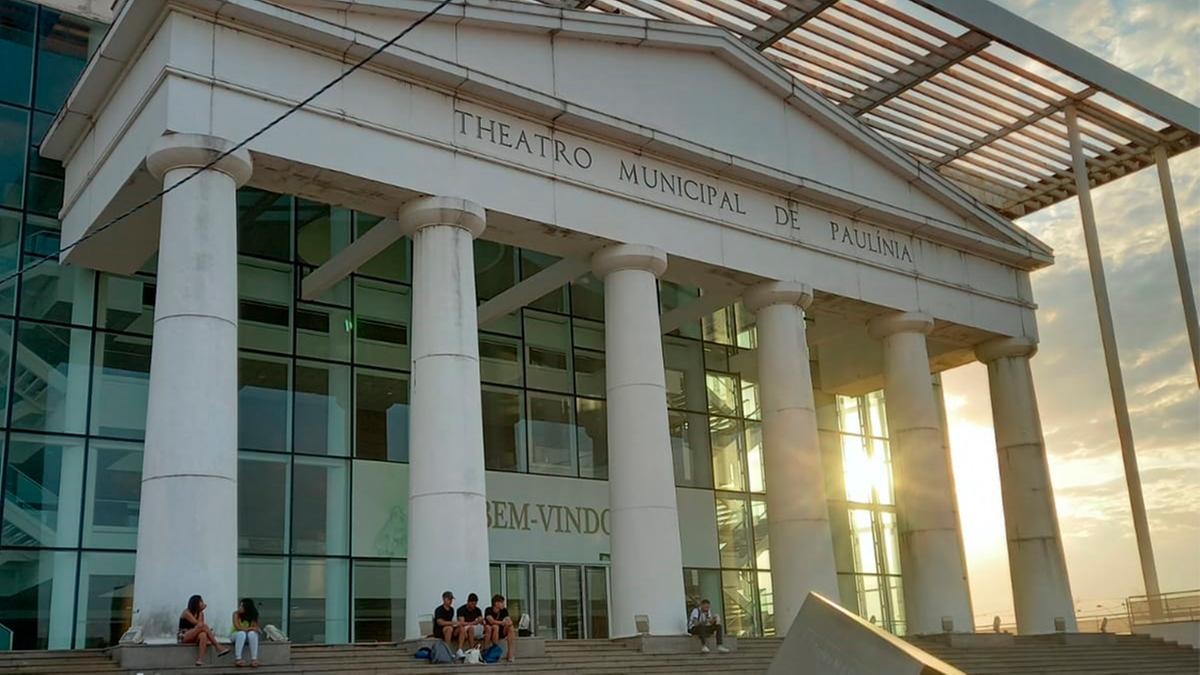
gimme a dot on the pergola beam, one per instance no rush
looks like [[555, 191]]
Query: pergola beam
[[552, 278], [794, 15], [367, 246]]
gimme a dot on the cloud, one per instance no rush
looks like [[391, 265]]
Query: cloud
[[1154, 40]]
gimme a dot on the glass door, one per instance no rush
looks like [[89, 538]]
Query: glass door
[[516, 591], [545, 597], [570, 581], [597, 602]]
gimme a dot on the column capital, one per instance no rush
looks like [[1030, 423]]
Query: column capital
[[998, 348], [174, 151], [777, 293], [899, 322], [629, 257], [438, 210]]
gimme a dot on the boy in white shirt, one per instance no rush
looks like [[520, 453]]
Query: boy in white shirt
[[702, 622]]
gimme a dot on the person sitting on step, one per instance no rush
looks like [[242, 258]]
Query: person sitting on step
[[470, 619], [193, 629], [499, 626], [445, 626], [245, 629], [702, 622]]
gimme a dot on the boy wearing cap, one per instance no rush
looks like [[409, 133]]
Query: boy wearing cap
[[444, 624]]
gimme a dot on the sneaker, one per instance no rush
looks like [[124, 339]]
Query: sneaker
[[460, 655], [704, 649], [723, 649]]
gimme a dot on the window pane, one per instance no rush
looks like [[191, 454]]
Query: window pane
[[114, 491], [881, 471], [16, 51], [733, 531], [545, 620], [320, 517], [265, 580], [322, 408], [723, 394], [517, 600], [321, 231], [393, 262], [551, 434], [14, 125], [64, 44], [699, 585], [381, 416], [41, 125], [754, 457], [597, 598], [381, 322], [379, 502], [671, 296], [33, 585], [856, 469], [890, 546], [720, 327], [588, 334], [263, 503], [589, 373], [43, 194], [739, 590], [54, 292], [877, 414], [593, 438], [690, 449], [495, 268], [323, 332], [53, 366], [533, 262], [500, 359], [264, 224], [10, 251], [548, 351], [684, 374], [6, 331], [727, 455], [587, 297], [762, 544], [264, 383], [319, 603], [766, 603], [379, 599], [862, 539], [264, 305], [503, 429], [571, 583], [105, 599], [126, 304], [43, 487], [122, 386]]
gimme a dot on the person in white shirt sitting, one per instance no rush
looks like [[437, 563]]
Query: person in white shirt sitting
[[702, 622]]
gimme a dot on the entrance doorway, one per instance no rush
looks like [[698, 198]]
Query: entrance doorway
[[564, 602]]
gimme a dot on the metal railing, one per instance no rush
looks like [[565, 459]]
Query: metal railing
[[1164, 607]]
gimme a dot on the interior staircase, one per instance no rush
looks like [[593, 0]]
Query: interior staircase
[[1028, 655], [1093, 654]]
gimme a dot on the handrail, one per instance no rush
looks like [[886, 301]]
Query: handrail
[[6, 638], [1163, 607]]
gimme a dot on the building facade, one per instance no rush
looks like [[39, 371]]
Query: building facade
[[513, 309]]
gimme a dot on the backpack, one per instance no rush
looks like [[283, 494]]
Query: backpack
[[440, 653], [423, 653], [492, 654]]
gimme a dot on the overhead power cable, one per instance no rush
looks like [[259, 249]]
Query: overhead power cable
[[286, 114]]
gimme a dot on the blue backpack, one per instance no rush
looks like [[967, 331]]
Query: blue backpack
[[492, 654]]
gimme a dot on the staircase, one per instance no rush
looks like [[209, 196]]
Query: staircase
[[566, 657], [1090, 654]]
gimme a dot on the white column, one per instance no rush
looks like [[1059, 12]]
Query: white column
[[187, 527], [1179, 252], [647, 561], [797, 513], [1112, 360], [931, 558], [447, 520], [1041, 589]]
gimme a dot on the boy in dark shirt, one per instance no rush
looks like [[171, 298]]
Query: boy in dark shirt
[[470, 620], [444, 625], [498, 626]]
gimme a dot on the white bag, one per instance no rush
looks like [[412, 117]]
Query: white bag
[[274, 634], [472, 656]]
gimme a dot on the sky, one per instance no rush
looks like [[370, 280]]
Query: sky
[[1155, 40]]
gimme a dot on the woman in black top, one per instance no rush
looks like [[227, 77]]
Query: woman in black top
[[192, 628], [498, 626]]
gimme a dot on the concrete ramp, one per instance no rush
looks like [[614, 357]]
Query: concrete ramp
[[828, 640]]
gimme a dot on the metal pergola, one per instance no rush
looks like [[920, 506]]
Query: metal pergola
[[966, 88]]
